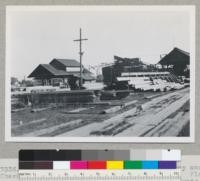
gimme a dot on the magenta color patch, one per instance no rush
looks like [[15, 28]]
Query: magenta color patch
[[78, 164]]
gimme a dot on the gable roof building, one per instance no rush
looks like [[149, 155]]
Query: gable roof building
[[61, 64], [66, 62], [176, 56], [178, 59], [61, 68], [46, 71]]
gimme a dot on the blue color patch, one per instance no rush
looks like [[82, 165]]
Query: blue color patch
[[149, 164]]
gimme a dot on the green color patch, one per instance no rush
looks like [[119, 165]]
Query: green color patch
[[132, 164]]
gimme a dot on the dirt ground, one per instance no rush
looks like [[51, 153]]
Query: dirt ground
[[139, 114]]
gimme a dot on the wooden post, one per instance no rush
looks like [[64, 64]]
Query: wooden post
[[80, 55]]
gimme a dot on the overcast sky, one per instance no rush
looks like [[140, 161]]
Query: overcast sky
[[36, 37]]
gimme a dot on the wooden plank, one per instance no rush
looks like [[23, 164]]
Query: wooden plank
[[117, 108], [40, 109], [150, 122], [178, 125], [30, 123], [79, 110], [146, 120], [130, 103], [49, 130], [18, 110], [111, 110]]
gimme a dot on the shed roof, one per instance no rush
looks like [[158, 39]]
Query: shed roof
[[67, 62], [176, 56], [85, 76], [47, 70]]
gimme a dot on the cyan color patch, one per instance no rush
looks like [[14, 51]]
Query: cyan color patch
[[149, 164]]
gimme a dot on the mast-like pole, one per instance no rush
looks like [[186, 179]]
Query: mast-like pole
[[80, 54]]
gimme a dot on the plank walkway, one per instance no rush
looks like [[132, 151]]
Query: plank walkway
[[52, 129], [153, 114]]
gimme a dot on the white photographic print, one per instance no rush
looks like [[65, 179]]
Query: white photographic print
[[100, 73]]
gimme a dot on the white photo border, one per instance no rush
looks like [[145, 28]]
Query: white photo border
[[189, 8]]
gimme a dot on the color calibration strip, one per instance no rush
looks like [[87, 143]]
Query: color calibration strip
[[98, 159], [106, 165]]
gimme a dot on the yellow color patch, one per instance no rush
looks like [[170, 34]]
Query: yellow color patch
[[114, 165]]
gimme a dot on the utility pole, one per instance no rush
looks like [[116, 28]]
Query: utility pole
[[81, 54]]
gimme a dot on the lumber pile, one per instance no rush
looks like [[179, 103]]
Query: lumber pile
[[113, 95], [58, 97]]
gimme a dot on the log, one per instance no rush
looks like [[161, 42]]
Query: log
[[111, 110], [118, 107], [40, 109]]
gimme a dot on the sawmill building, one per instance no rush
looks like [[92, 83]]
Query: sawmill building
[[178, 61], [65, 71]]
